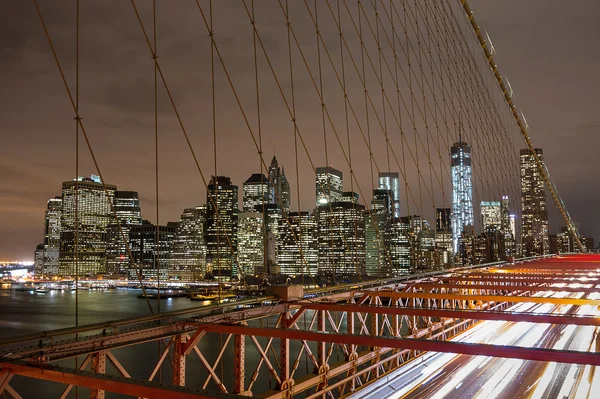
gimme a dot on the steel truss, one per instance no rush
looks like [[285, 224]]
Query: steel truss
[[343, 340]]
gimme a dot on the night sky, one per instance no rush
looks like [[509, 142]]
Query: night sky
[[548, 49]]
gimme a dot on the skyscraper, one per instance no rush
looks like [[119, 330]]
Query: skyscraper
[[533, 202], [390, 182], [52, 237], [250, 241], [491, 219], [329, 185], [150, 256], [279, 188], [128, 212], [443, 219], [221, 227], [256, 191], [297, 251], [341, 238], [187, 260], [377, 235], [87, 198], [462, 190]]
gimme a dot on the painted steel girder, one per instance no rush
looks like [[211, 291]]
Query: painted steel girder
[[535, 275], [112, 383], [460, 314], [510, 287], [487, 298], [532, 280], [511, 352]]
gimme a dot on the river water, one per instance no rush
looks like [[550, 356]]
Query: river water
[[28, 312]]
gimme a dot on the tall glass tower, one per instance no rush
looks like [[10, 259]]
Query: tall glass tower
[[462, 190], [390, 182]]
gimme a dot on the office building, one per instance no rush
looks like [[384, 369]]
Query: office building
[[86, 212], [221, 227], [251, 246], [390, 182], [256, 192], [443, 219], [187, 260], [297, 248], [400, 247], [128, 212], [279, 188], [490, 216], [329, 185], [378, 235], [341, 240], [52, 230], [534, 213], [462, 190], [150, 249]]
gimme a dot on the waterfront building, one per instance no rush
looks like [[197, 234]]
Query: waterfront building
[[390, 182], [38, 261], [150, 249], [462, 190], [221, 227], [329, 185], [297, 247], [250, 238], [255, 192], [187, 260], [86, 212], [279, 187], [534, 211], [52, 230], [128, 212], [341, 239]]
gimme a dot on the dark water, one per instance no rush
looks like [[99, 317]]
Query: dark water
[[24, 312]]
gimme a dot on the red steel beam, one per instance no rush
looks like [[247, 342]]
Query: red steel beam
[[486, 298], [534, 275], [96, 381], [537, 280], [510, 352], [505, 287], [460, 314]]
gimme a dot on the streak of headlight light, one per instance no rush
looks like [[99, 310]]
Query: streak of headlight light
[[459, 377], [569, 382], [500, 379], [583, 390]]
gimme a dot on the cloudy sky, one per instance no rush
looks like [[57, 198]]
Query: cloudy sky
[[548, 49]]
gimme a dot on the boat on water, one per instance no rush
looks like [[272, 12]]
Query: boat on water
[[211, 296], [41, 290]]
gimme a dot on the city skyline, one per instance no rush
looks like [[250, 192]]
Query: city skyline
[[27, 185]]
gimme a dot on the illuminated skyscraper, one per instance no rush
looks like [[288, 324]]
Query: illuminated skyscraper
[[221, 227], [443, 236], [462, 190], [491, 219], [128, 212], [297, 251], [94, 213], [52, 237], [329, 185], [378, 234], [150, 256], [400, 246], [533, 202], [187, 260], [279, 188], [250, 238], [341, 238], [390, 182], [256, 191]]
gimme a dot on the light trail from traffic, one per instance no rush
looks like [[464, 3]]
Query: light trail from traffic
[[446, 375]]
